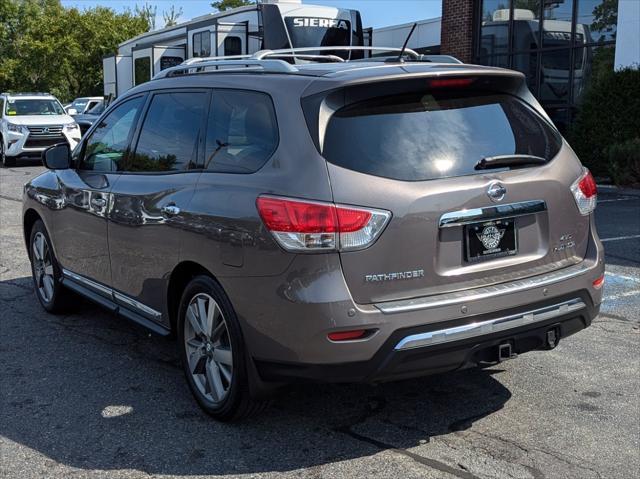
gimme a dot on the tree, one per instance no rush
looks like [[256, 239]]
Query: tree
[[171, 16], [47, 47], [148, 12], [223, 5]]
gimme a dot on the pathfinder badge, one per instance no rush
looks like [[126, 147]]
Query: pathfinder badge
[[490, 236]]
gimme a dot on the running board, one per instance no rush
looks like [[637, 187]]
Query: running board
[[490, 326]]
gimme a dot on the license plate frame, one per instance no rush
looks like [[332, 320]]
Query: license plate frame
[[480, 237]]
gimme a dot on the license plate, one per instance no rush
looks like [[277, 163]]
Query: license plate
[[491, 239]]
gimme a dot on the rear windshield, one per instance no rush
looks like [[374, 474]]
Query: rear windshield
[[423, 136]]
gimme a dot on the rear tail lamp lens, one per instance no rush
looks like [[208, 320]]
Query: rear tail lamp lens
[[585, 192], [598, 283], [300, 225]]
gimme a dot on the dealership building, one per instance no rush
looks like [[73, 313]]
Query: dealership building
[[557, 44]]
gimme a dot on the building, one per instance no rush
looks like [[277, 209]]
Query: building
[[557, 44], [270, 24]]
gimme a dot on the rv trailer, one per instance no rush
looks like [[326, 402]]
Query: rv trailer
[[270, 24]]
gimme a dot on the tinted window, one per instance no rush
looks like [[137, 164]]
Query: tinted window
[[108, 143], [232, 46], [169, 135], [420, 136], [142, 70], [242, 132]]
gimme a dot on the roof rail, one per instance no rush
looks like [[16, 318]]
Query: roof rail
[[262, 60], [267, 53], [244, 62], [304, 56]]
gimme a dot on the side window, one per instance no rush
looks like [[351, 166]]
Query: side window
[[1, 107], [170, 133], [108, 143], [232, 46], [202, 44], [242, 132]]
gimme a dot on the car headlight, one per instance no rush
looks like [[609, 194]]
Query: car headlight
[[72, 127], [15, 128]]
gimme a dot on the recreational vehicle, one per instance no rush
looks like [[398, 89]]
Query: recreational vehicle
[[271, 24]]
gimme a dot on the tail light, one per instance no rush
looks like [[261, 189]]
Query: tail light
[[450, 82], [598, 283], [585, 192], [299, 225]]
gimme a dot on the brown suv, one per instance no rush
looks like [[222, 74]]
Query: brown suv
[[328, 221]]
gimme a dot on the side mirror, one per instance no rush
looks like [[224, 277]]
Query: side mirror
[[72, 111], [57, 157]]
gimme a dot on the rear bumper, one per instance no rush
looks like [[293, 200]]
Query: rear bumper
[[286, 320], [399, 358]]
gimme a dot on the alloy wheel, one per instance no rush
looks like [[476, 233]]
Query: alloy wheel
[[208, 348], [43, 267]]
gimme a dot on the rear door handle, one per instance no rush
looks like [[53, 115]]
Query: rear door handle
[[171, 210]]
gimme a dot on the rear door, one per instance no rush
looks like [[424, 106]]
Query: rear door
[[454, 226], [152, 196]]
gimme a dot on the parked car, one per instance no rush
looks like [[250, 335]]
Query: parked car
[[327, 222], [85, 120], [31, 122], [82, 105]]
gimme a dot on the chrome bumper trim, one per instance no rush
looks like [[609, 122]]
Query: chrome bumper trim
[[510, 210], [490, 326], [448, 299]]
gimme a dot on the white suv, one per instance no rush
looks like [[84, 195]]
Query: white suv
[[30, 123]]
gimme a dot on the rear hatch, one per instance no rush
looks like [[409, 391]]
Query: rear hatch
[[415, 148]]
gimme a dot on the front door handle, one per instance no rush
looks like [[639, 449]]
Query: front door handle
[[98, 202], [171, 210]]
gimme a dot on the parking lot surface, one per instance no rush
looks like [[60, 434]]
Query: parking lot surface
[[90, 395]]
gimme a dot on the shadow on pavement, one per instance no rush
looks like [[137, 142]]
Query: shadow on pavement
[[91, 391]]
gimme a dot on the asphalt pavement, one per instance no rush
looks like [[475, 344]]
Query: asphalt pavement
[[90, 395]]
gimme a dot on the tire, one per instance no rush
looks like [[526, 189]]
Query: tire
[[212, 352], [7, 161], [45, 271]]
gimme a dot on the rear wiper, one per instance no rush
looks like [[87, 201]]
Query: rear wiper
[[509, 160]]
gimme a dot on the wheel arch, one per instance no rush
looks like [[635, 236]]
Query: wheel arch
[[28, 220], [178, 280]]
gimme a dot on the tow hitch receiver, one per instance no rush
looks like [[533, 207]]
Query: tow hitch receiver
[[505, 352], [553, 336]]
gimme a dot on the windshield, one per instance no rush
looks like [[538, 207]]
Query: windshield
[[79, 105], [33, 107], [97, 110], [319, 32], [427, 135]]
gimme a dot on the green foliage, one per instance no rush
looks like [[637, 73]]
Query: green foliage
[[623, 161], [607, 116], [47, 47], [223, 5]]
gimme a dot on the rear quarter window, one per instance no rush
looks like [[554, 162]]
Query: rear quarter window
[[429, 135], [242, 132]]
